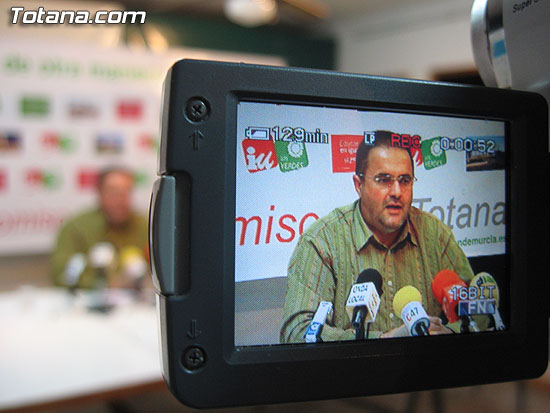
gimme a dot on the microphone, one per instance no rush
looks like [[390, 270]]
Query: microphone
[[100, 257], [316, 326], [442, 287], [407, 303], [364, 300], [74, 269], [133, 265], [446, 287], [488, 289]]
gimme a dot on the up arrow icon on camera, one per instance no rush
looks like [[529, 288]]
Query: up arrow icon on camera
[[196, 136]]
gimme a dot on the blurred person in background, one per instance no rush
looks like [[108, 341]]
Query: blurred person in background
[[107, 245]]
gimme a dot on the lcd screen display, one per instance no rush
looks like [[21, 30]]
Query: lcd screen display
[[365, 224]]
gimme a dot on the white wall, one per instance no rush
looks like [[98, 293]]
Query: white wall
[[414, 40]]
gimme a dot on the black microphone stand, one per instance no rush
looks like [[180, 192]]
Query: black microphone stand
[[360, 332]]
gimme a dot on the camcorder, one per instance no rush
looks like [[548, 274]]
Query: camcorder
[[319, 235]]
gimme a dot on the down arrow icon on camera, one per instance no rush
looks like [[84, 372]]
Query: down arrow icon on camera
[[194, 331]]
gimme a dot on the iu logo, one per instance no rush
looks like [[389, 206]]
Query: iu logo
[[87, 179], [259, 155], [3, 180]]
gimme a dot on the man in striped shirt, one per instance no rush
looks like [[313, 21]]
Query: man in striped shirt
[[381, 230]]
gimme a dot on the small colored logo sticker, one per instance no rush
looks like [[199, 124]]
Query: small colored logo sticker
[[3, 180], [10, 142], [58, 141], [416, 154], [130, 109], [83, 110], [38, 178], [141, 179], [148, 142], [34, 106], [291, 155], [109, 143], [87, 179], [344, 149], [259, 155], [433, 154]]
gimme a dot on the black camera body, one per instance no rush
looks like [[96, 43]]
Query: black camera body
[[253, 156]]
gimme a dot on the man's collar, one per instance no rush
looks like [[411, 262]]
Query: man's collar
[[408, 234], [362, 234]]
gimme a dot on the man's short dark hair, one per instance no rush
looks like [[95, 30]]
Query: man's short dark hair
[[105, 172], [382, 138]]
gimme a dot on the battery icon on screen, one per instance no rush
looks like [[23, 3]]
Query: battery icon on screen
[[257, 133]]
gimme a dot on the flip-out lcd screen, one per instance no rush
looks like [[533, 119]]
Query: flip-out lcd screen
[[307, 224], [366, 224]]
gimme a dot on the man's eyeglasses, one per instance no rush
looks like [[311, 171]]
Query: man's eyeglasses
[[387, 180]]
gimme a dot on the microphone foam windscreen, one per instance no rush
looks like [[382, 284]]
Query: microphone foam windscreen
[[441, 280], [373, 276], [130, 253], [484, 279], [404, 296], [101, 254]]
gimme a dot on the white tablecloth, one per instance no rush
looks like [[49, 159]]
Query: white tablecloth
[[53, 348]]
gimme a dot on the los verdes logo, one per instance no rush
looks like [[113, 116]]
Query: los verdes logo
[[291, 155]]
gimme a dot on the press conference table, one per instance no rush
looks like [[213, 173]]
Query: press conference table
[[53, 349]]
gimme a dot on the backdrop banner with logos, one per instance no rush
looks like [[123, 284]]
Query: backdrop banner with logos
[[65, 113]]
